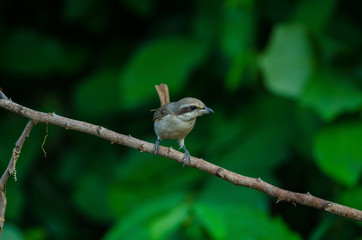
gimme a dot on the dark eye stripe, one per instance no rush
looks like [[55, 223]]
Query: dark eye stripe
[[187, 109]]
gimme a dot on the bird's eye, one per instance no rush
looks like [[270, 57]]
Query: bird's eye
[[193, 107]]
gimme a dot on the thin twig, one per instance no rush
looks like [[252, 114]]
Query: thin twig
[[11, 169], [256, 183]]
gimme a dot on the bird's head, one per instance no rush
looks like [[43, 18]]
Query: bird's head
[[190, 108]]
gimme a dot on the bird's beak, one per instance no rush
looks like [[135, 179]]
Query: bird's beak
[[206, 111]]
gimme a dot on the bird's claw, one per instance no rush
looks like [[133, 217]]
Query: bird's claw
[[186, 156]]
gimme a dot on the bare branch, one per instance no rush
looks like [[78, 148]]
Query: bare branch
[[237, 179], [11, 169]]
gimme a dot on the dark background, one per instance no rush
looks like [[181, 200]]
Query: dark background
[[283, 77]]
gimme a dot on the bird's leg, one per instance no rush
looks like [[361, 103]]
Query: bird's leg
[[187, 156], [157, 145]]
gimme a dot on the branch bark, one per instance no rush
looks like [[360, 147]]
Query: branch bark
[[127, 140], [11, 169]]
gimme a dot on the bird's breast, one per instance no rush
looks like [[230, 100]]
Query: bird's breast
[[170, 127]]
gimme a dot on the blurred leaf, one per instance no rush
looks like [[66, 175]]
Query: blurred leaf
[[164, 225], [15, 200], [36, 233], [330, 95], [321, 230], [352, 198], [237, 29], [29, 53], [90, 195], [338, 152], [231, 195], [225, 132], [168, 61], [287, 62], [249, 223], [315, 14], [243, 64], [237, 35], [139, 176], [206, 20], [12, 232], [135, 225], [264, 142], [307, 125], [194, 231], [93, 181], [211, 216], [98, 94]]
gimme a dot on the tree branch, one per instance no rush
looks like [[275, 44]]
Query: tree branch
[[11, 169], [256, 183]]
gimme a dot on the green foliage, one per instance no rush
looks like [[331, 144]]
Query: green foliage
[[284, 80], [330, 95], [338, 147], [103, 83], [12, 232], [288, 60], [211, 218], [147, 68]]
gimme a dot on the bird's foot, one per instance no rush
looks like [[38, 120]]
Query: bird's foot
[[155, 149], [186, 156]]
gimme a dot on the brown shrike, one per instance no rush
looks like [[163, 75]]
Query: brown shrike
[[176, 119]]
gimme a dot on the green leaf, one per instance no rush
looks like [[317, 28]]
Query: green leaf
[[330, 95], [135, 225], [352, 198], [237, 34], [12, 232], [16, 200], [270, 130], [169, 61], [237, 29], [211, 217], [30, 53], [168, 222], [249, 223], [36, 233], [242, 66], [288, 61], [338, 152], [98, 94]]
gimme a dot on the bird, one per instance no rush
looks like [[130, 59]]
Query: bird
[[175, 120]]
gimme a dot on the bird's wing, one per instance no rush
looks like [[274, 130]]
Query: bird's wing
[[161, 112]]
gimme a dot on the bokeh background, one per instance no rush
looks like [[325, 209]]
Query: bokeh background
[[283, 77]]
